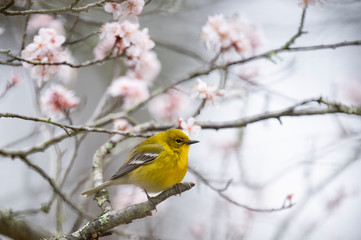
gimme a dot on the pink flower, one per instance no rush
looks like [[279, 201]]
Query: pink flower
[[46, 47], [12, 82], [216, 32], [146, 68], [140, 44], [103, 47], [121, 125], [288, 202], [39, 21], [209, 93], [126, 10], [189, 126], [58, 101], [128, 38], [234, 36], [303, 3], [131, 90], [169, 106], [14, 79]]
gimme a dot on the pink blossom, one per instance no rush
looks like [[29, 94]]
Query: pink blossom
[[288, 202], [131, 90], [103, 47], [189, 126], [146, 68], [127, 36], [58, 101], [169, 106], [126, 10], [216, 32], [234, 36], [12, 82], [140, 44], [208, 93], [39, 21], [46, 47], [121, 124], [14, 79], [303, 3]]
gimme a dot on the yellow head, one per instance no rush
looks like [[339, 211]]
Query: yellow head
[[175, 139]]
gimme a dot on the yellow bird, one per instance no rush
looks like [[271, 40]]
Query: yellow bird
[[155, 164]]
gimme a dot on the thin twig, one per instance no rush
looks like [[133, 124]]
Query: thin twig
[[80, 39], [300, 29], [70, 8], [25, 27], [220, 192], [9, 4], [53, 185]]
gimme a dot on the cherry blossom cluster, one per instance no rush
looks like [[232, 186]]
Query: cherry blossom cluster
[[38, 21], [234, 37], [130, 89], [125, 38], [143, 64], [46, 47], [189, 126], [57, 101], [121, 125], [126, 10], [209, 93]]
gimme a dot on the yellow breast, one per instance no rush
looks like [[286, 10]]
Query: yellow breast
[[166, 171]]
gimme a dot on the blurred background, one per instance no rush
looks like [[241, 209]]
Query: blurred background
[[310, 161]]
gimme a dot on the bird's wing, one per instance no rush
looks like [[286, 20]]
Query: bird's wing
[[140, 155]]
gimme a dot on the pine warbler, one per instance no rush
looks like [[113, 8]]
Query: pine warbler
[[155, 164]]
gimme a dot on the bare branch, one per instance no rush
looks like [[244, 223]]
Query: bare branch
[[70, 8], [292, 111], [9, 4], [289, 112], [53, 185], [72, 65], [19, 228], [300, 29], [221, 193], [108, 220]]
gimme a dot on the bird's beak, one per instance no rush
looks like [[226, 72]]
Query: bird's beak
[[191, 142]]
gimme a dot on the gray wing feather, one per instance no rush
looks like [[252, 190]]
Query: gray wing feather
[[138, 158]]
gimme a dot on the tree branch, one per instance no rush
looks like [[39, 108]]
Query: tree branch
[[300, 29], [221, 193], [70, 8], [292, 111], [108, 220], [18, 228]]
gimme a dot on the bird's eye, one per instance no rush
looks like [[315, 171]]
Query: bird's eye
[[178, 140]]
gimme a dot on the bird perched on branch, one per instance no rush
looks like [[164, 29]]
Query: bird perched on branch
[[155, 164]]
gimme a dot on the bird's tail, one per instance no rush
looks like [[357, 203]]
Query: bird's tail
[[93, 190]]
